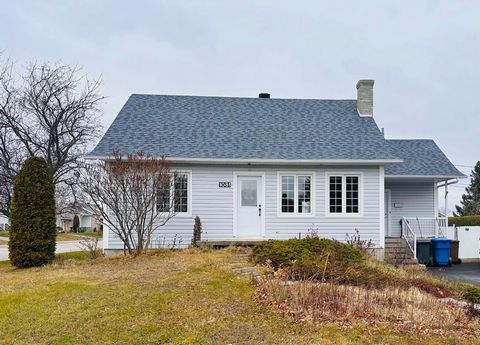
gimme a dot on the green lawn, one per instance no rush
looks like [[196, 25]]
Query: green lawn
[[91, 234], [59, 258], [60, 236], [184, 297]]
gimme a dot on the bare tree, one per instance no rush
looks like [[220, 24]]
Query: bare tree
[[51, 111], [134, 195]]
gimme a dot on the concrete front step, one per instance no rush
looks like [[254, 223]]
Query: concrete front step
[[398, 252]]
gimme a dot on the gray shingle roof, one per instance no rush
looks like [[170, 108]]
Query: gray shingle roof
[[252, 128], [420, 158], [243, 128]]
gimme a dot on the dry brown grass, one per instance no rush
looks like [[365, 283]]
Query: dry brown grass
[[180, 297], [406, 310]]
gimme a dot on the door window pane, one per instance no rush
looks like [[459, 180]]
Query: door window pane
[[304, 194], [288, 194], [249, 193]]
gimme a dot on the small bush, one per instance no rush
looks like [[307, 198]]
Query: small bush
[[76, 223], [197, 231], [32, 215], [90, 245], [320, 259], [364, 246], [464, 221], [310, 249], [471, 293]]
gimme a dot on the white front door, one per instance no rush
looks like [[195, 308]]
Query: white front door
[[249, 207], [388, 211]]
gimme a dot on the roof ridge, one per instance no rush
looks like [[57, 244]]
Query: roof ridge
[[243, 97]]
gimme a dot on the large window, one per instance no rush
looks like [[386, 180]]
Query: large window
[[343, 194], [296, 194], [178, 188], [180, 185], [351, 196]]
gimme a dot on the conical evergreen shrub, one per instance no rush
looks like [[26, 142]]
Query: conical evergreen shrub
[[76, 223], [32, 215]]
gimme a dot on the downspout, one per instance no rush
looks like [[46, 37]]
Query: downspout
[[445, 184]]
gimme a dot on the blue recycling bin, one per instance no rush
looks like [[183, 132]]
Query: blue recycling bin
[[441, 251]]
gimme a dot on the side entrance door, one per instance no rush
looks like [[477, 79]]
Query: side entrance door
[[388, 211], [250, 210]]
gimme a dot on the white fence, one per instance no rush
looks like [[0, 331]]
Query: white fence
[[469, 237]]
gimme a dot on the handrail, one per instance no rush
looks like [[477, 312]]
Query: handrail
[[409, 236], [427, 226]]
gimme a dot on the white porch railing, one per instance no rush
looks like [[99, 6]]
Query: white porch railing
[[426, 227], [409, 236]]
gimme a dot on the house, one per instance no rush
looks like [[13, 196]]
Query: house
[[265, 168], [87, 220]]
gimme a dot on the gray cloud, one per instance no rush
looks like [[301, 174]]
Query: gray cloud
[[423, 55]]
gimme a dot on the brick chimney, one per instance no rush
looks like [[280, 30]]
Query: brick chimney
[[365, 97]]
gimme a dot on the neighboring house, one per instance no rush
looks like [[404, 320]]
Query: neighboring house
[[3, 223], [88, 221], [266, 168]]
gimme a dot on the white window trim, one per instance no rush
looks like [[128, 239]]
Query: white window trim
[[344, 213], [189, 192], [295, 195]]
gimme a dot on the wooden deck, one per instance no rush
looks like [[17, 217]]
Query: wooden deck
[[227, 243]]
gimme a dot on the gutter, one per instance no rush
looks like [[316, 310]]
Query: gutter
[[426, 176], [256, 161], [447, 183]]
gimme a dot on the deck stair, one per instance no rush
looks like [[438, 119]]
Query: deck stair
[[397, 252]]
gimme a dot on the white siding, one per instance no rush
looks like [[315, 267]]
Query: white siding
[[214, 206], [412, 199]]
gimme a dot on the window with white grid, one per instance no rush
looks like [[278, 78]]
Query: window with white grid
[[344, 194], [335, 194], [296, 194], [351, 194], [288, 194], [178, 188], [304, 191]]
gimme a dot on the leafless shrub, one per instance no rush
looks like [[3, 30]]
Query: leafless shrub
[[313, 232], [90, 245], [363, 245], [133, 195]]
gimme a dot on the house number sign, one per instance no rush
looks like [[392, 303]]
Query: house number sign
[[224, 184]]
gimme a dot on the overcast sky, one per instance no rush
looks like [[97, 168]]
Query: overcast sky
[[423, 55]]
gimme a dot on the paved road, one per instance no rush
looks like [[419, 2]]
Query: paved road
[[62, 247], [466, 272]]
